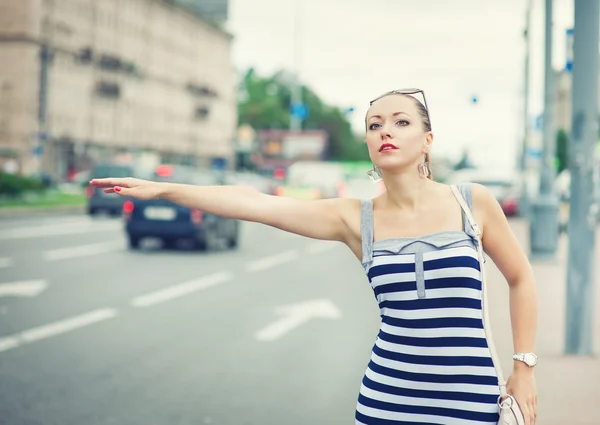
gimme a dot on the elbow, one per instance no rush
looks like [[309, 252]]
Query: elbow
[[521, 282]]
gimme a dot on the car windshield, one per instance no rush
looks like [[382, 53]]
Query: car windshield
[[185, 175], [109, 170]]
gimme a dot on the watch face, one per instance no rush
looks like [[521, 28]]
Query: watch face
[[531, 359]]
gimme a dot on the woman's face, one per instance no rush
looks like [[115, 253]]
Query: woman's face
[[395, 134]]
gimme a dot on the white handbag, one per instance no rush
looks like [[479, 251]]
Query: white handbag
[[510, 413]]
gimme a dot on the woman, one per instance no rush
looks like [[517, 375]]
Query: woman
[[430, 363]]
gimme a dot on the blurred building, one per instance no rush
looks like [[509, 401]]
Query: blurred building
[[84, 81], [215, 10]]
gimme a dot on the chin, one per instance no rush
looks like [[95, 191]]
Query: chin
[[391, 165]]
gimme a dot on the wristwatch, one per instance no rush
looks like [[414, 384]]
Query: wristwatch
[[529, 359]]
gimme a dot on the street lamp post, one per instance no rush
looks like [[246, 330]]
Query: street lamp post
[[544, 226]]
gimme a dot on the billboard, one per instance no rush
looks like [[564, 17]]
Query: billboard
[[290, 145]]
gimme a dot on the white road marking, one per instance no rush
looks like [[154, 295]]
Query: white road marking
[[5, 262], [271, 261], [321, 246], [30, 232], [296, 315], [26, 288], [8, 343], [181, 289], [56, 328], [83, 250]]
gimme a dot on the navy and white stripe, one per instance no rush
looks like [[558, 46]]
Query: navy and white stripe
[[430, 364]]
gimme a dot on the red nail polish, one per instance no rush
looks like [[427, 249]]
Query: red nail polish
[[117, 189]]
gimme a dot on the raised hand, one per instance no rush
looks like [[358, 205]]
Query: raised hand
[[136, 188]]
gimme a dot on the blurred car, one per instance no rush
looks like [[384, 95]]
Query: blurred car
[[171, 223], [503, 186], [97, 200]]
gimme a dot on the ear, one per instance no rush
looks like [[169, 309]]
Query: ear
[[428, 142]]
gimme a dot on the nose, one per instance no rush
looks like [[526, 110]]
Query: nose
[[385, 133]]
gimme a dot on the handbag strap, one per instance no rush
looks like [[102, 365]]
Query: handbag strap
[[486, 316]]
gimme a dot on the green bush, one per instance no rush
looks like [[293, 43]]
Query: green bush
[[13, 186]]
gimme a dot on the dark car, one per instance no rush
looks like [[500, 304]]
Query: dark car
[[110, 203], [171, 223]]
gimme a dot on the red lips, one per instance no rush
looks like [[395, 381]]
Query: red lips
[[387, 147]]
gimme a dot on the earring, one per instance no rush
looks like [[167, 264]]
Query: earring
[[375, 174], [424, 170]]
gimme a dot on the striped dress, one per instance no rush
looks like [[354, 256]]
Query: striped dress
[[430, 364]]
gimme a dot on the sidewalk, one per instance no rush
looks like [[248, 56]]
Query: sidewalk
[[568, 386]]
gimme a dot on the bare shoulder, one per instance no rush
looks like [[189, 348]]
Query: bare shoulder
[[486, 208], [483, 198], [350, 210]]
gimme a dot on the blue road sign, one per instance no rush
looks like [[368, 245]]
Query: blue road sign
[[219, 163], [299, 110]]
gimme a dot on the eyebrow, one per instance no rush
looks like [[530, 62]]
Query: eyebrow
[[394, 115]]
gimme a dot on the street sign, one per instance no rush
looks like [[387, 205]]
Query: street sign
[[569, 50], [219, 164], [534, 152], [299, 110]]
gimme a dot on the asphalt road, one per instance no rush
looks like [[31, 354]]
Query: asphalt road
[[278, 331]]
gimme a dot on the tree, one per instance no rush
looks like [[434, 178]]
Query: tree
[[464, 162], [264, 103]]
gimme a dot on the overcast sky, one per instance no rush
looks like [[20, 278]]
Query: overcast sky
[[353, 50]]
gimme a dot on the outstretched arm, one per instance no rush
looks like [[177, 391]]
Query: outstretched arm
[[321, 219]]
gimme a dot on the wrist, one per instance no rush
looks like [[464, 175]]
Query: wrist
[[162, 190], [522, 368]]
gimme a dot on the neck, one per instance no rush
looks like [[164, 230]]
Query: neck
[[406, 190]]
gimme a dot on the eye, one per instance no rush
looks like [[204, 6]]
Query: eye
[[374, 126], [402, 122]]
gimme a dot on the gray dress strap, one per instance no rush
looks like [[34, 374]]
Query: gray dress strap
[[465, 191], [366, 230]]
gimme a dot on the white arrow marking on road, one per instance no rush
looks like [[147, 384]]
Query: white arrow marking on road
[[271, 261], [296, 315], [27, 288], [5, 262]]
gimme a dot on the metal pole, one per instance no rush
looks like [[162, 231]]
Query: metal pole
[[295, 121], [544, 224], [524, 201], [582, 218], [42, 118]]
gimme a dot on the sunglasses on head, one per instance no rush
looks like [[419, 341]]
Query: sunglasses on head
[[409, 92]]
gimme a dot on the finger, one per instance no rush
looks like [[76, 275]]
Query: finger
[[109, 182], [120, 190], [526, 413], [533, 411]]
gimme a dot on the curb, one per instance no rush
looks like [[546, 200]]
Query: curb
[[33, 211]]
